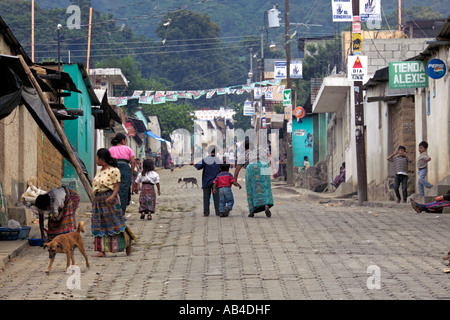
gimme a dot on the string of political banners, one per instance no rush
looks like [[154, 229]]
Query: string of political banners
[[266, 87]]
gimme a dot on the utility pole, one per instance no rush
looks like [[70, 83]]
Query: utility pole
[[359, 132], [289, 151]]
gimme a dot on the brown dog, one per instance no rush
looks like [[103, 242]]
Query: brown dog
[[66, 243]]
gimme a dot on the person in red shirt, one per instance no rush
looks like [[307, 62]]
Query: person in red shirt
[[223, 182]]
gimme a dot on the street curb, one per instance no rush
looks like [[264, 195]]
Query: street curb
[[11, 249]]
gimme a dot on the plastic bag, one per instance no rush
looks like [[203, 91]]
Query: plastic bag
[[13, 224]]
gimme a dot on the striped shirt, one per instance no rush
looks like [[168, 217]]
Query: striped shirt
[[400, 165]]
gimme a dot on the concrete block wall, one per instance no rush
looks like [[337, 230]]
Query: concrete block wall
[[382, 51]]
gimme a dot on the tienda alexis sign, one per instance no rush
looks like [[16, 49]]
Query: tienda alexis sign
[[407, 74]]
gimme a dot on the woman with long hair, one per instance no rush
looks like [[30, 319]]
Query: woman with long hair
[[108, 223], [125, 158]]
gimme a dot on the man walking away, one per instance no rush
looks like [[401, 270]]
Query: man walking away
[[211, 168]]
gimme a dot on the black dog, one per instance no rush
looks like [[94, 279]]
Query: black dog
[[187, 180]]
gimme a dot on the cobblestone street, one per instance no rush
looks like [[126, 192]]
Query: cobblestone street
[[306, 250]]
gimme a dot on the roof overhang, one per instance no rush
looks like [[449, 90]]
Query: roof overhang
[[115, 75], [332, 94]]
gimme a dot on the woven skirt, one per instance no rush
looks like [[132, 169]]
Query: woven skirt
[[108, 225], [147, 198], [68, 220], [257, 183]]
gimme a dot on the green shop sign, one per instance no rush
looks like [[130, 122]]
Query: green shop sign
[[407, 74]]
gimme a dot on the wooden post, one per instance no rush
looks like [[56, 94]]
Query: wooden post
[[289, 145], [361, 170], [89, 41], [60, 131], [32, 30]]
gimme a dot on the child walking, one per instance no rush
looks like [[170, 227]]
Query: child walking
[[422, 164], [400, 159], [147, 197], [223, 181]]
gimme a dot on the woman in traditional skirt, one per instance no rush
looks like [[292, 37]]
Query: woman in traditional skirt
[[257, 182], [108, 223], [125, 157], [147, 198], [433, 207], [62, 204]]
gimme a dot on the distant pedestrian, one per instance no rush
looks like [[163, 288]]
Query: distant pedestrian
[[211, 168], [340, 177], [125, 158], [306, 163], [400, 159], [282, 166], [422, 164], [109, 229], [147, 199], [433, 207], [222, 185]]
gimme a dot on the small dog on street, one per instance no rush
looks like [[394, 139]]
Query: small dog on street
[[188, 180], [66, 243]]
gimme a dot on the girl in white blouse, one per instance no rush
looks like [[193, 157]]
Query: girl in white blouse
[[147, 198]]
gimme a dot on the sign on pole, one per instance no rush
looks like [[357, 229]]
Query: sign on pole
[[370, 10], [279, 68], [356, 43], [357, 67], [287, 97], [296, 69], [249, 109], [342, 10], [407, 74]]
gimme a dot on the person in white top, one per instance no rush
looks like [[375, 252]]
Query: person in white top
[[147, 198]]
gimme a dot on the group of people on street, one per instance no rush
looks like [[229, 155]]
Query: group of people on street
[[112, 191], [400, 160], [112, 194], [217, 182]]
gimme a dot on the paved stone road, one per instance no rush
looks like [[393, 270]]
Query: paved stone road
[[306, 250]]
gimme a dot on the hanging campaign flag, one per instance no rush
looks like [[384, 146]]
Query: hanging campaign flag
[[171, 96], [210, 93], [342, 10], [136, 94], [184, 95], [122, 101], [370, 10], [221, 91], [159, 99], [146, 99]]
